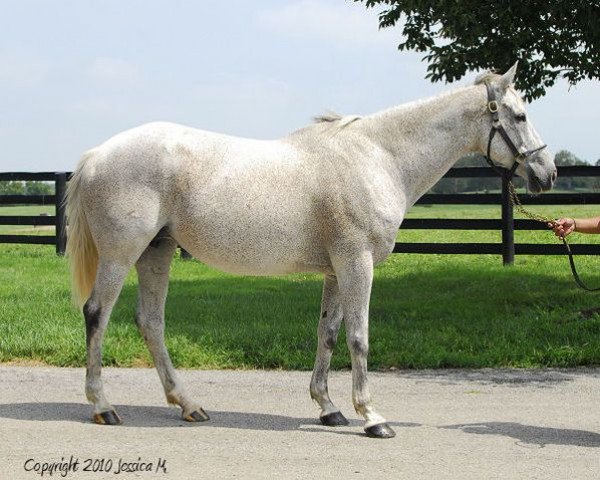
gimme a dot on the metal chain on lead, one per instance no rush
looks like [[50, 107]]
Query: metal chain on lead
[[514, 199]]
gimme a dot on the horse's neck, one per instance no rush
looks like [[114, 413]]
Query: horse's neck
[[426, 138]]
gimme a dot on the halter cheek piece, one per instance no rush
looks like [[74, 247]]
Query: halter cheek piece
[[520, 157]]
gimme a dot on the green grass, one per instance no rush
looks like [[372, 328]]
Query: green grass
[[427, 311]]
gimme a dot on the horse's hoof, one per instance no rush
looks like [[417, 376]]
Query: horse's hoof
[[334, 419], [197, 416], [107, 418], [381, 430]]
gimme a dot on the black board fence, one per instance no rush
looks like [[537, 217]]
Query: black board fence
[[58, 220], [507, 224]]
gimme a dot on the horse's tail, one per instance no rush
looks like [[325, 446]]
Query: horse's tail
[[81, 248]]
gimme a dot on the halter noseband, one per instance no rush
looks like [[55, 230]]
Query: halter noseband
[[497, 126]]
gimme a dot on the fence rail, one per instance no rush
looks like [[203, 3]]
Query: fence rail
[[507, 224], [59, 239]]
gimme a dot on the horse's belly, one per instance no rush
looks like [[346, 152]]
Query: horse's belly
[[259, 267], [251, 247], [244, 261]]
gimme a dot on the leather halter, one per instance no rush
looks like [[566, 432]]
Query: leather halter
[[520, 157]]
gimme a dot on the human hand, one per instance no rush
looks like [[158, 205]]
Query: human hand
[[563, 227]]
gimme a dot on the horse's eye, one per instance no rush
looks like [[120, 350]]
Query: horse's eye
[[521, 117]]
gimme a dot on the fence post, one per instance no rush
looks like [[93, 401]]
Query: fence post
[[508, 225], [60, 191]]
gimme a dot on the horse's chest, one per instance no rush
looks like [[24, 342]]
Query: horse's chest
[[383, 238], [368, 228]]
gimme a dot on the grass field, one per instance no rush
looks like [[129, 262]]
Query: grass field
[[426, 310], [27, 229]]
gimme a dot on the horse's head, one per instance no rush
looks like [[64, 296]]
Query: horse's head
[[510, 137]]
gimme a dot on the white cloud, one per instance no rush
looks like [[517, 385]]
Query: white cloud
[[342, 24], [114, 72]]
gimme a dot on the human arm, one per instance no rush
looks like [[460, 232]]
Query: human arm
[[564, 226]]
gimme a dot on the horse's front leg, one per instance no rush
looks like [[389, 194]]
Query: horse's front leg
[[355, 276], [329, 326]]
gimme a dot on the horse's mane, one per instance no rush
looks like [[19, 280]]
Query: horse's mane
[[329, 123], [336, 118], [327, 117]]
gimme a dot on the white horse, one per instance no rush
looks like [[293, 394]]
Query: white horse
[[328, 198]]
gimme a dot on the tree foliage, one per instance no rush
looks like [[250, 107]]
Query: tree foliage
[[550, 39], [564, 158], [12, 188], [26, 188], [39, 188]]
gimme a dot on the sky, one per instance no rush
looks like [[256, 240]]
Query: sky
[[75, 72]]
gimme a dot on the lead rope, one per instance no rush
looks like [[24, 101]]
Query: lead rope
[[514, 199]]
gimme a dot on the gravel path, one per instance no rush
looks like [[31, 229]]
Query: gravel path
[[513, 424]]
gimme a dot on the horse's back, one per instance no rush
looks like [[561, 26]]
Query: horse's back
[[239, 204]]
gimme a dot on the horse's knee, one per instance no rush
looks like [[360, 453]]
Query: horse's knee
[[358, 345], [328, 332]]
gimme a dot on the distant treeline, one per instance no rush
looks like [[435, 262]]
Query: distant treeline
[[26, 188], [481, 185]]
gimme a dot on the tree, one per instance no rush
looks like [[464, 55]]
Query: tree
[[26, 188], [550, 39], [39, 188], [564, 158], [12, 188]]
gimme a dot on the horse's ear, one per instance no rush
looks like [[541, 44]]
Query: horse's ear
[[508, 78]]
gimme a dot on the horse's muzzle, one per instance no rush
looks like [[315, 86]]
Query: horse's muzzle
[[537, 183]]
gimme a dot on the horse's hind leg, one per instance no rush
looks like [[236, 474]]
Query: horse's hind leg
[[109, 281], [153, 276], [329, 326]]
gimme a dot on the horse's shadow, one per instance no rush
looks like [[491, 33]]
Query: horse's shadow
[[165, 417], [531, 434]]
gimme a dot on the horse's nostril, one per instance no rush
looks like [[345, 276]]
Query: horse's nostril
[[554, 175]]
